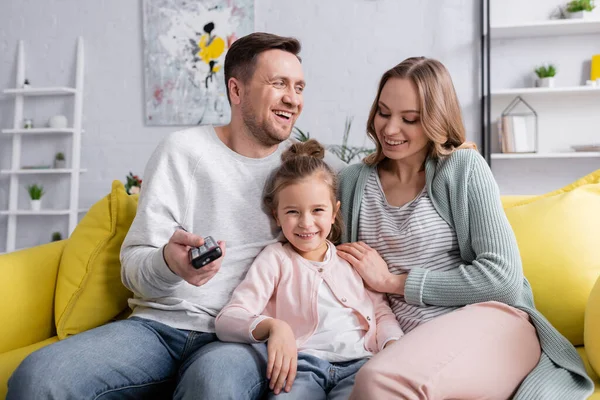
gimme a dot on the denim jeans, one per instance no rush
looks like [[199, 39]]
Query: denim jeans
[[139, 358], [318, 379]]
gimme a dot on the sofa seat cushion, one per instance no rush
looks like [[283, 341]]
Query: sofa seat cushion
[[558, 236], [10, 360], [89, 291]]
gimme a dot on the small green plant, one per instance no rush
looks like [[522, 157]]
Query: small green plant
[[580, 5], [300, 135], [59, 156], [342, 151], [545, 71], [56, 236], [35, 191]]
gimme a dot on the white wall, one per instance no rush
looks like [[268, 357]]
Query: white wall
[[564, 120], [347, 45]]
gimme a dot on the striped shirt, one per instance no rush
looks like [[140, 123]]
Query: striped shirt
[[409, 236]]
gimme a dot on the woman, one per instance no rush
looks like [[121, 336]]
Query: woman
[[426, 226]]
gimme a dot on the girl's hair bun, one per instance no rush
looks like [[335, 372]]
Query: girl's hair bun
[[310, 148]]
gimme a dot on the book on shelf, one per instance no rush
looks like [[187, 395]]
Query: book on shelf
[[517, 134]]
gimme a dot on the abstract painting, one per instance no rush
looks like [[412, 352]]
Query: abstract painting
[[185, 43]]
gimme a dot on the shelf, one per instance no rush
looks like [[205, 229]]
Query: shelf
[[40, 171], [548, 91], [41, 212], [573, 154], [38, 131], [559, 27], [42, 91]]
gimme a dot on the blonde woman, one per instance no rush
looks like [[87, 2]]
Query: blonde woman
[[426, 226]]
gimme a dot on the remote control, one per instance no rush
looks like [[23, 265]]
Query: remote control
[[205, 254]]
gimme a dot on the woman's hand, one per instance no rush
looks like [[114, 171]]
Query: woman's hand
[[283, 356], [372, 268]]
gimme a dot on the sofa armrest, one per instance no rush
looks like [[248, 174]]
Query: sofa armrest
[[591, 328], [27, 286]]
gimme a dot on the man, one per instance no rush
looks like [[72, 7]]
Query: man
[[199, 182]]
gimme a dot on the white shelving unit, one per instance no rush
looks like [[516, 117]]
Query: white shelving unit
[[17, 131], [567, 115], [561, 27]]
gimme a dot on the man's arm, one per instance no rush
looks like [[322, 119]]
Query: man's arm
[[161, 208]]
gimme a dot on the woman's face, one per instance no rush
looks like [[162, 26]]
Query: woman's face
[[398, 121]]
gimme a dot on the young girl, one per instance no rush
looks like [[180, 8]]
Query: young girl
[[321, 322]]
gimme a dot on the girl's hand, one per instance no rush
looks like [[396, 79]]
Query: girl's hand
[[372, 268], [283, 356]]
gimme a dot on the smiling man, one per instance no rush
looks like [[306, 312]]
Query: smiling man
[[198, 182]]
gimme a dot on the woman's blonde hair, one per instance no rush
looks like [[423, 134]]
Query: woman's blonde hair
[[302, 160], [441, 116]]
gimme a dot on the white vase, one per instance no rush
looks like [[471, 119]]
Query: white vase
[[57, 122], [545, 82], [36, 205], [585, 15], [59, 164]]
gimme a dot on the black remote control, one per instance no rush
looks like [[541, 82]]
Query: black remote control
[[205, 254]]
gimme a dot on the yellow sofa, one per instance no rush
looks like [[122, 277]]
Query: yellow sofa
[[55, 290]]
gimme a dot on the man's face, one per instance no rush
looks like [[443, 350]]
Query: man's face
[[272, 98]]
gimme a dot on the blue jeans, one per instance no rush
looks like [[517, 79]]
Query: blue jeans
[[139, 358], [319, 379]]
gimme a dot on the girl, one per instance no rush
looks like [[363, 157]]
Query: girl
[[427, 227], [320, 321]]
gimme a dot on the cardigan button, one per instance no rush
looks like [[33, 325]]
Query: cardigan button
[[320, 269], [343, 299], [368, 318]]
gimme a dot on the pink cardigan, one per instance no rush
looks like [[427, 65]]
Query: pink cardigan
[[283, 285]]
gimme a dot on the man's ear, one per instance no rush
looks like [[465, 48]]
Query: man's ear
[[234, 86]]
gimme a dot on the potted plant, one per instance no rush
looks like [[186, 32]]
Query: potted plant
[[35, 194], [545, 74], [580, 9], [59, 160], [133, 184], [56, 236]]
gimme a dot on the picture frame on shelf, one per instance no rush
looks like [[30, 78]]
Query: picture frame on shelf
[[518, 130]]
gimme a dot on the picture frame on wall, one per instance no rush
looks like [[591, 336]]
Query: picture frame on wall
[[185, 44]]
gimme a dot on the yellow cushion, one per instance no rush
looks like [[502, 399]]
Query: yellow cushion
[[558, 239], [591, 332], [10, 361], [89, 291]]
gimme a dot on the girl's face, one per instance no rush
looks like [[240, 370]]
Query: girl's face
[[305, 214], [398, 121]]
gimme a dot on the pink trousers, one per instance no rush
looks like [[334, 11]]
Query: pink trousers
[[481, 351]]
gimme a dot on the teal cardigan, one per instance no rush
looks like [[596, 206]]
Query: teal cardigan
[[464, 193]]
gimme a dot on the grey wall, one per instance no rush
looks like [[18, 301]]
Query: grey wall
[[348, 44]]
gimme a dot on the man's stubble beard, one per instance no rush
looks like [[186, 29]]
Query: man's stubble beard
[[262, 132]]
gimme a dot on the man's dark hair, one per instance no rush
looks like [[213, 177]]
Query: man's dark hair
[[240, 60]]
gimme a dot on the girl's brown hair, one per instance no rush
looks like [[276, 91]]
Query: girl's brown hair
[[441, 116], [300, 161]]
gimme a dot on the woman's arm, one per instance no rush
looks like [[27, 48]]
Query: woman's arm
[[496, 272]]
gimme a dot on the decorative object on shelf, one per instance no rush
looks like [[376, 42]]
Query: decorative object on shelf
[[26, 84], [342, 151], [56, 236], [595, 68], [35, 194], [185, 44], [59, 160], [587, 148], [57, 122], [580, 9], [518, 131], [133, 184], [545, 74], [590, 83], [27, 123]]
